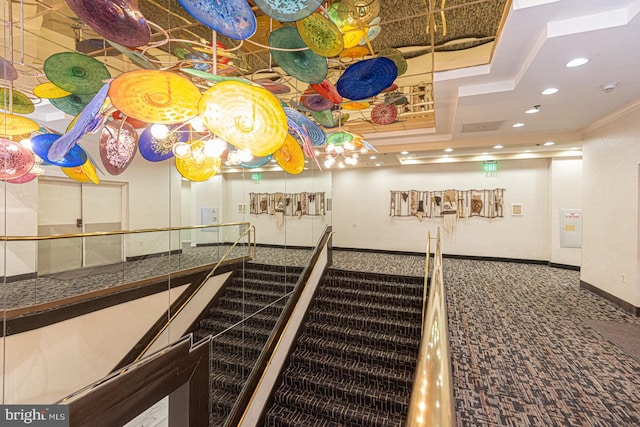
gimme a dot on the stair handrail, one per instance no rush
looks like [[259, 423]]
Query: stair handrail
[[119, 232], [246, 395], [432, 402], [176, 313]]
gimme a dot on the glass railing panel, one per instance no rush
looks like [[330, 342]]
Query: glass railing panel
[[44, 269]]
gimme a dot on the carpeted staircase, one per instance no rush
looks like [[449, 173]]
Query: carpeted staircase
[[235, 351], [354, 362]]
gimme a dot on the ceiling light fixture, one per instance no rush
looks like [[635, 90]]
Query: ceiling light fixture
[[549, 143], [448, 150], [550, 91], [497, 147], [533, 110], [517, 125], [577, 62], [404, 153]]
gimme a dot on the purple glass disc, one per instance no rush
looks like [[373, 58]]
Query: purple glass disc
[[116, 20]]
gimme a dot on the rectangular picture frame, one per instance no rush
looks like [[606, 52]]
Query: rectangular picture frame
[[517, 209]]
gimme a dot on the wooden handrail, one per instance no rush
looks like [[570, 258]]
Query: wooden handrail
[[432, 402], [119, 232]]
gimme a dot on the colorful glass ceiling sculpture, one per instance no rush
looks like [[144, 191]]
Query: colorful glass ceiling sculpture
[[321, 67]]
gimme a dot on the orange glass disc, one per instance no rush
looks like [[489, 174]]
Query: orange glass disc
[[16, 125], [248, 117], [290, 156], [197, 166], [85, 173], [356, 52], [154, 96], [49, 90], [355, 105]]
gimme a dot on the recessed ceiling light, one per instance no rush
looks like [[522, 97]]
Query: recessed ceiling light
[[577, 62], [372, 157], [517, 125], [497, 147], [378, 164], [448, 150], [404, 153], [549, 143], [533, 110], [550, 91], [527, 151], [485, 153]]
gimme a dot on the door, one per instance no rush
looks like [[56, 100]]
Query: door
[[59, 212], [66, 207]]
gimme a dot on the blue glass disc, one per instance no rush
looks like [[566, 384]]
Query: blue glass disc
[[289, 10], [42, 143], [157, 150], [256, 162], [231, 18], [316, 134], [367, 78]]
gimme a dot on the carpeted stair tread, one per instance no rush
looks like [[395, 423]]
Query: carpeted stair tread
[[397, 327], [372, 339], [291, 418], [229, 381], [265, 318], [357, 353], [334, 410], [232, 363], [240, 331], [375, 308], [253, 294], [319, 366], [362, 296], [230, 344], [248, 305], [262, 285], [375, 287]]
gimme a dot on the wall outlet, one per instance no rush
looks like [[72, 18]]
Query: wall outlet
[[623, 278]]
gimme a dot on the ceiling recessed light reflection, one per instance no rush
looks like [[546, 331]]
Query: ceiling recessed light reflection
[[577, 62], [550, 91]]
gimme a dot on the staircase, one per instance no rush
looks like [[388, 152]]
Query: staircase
[[235, 351], [354, 362]]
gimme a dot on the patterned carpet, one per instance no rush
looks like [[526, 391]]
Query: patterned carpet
[[524, 352]]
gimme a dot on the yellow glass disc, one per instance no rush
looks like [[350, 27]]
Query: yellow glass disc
[[248, 117], [197, 166], [49, 90], [10, 124], [352, 36]]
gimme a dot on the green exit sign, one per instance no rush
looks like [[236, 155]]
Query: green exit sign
[[490, 166], [256, 176]]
